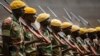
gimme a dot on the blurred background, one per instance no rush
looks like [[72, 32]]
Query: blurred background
[[85, 13]]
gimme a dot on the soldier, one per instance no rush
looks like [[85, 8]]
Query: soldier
[[97, 33], [98, 37], [45, 49], [83, 35], [66, 28], [76, 38], [12, 31], [91, 38], [92, 35], [30, 40], [55, 26]]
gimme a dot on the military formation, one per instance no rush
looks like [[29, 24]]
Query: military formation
[[53, 38]]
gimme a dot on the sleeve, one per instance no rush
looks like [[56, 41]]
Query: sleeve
[[6, 25]]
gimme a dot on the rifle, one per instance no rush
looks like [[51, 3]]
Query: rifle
[[6, 8]]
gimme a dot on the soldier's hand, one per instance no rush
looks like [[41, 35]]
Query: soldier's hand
[[7, 21]]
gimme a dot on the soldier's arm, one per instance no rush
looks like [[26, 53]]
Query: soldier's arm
[[31, 42], [6, 25], [42, 44], [56, 46]]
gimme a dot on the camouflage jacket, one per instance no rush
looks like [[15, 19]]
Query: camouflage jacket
[[28, 36], [46, 49], [14, 30]]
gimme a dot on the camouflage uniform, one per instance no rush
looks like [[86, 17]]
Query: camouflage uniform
[[67, 52], [98, 35], [57, 50], [55, 26], [46, 50], [66, 28], [30, 49], [15, 33], [30, 40]]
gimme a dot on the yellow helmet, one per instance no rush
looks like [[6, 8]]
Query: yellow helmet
[[83, 30], [97, 28], [55, 22], [29, 10], [90, 30], [65, 25], [74, 28], [17, 4], [42, 17]]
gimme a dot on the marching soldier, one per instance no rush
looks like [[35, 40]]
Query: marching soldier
[[45, 49], [12, 31], [92, 35], [66, 28], [55, 26], [29, 39], [91, 38], [98, 34], [83, 35], [98, 37], [76, 38]]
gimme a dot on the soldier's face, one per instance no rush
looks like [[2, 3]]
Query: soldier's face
[[45, 23], [56, 29], [19, 11], [75, 33], [30, 17]]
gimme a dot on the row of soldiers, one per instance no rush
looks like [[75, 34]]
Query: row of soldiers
[[53, 38]]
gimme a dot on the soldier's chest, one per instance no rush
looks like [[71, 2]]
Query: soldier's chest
[[28, 35], [16, 29]]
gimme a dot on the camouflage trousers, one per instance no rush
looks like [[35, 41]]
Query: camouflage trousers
[[57, 52], [40, 52], [13, 53], [69, 53], [16, 50], [32, 54]]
